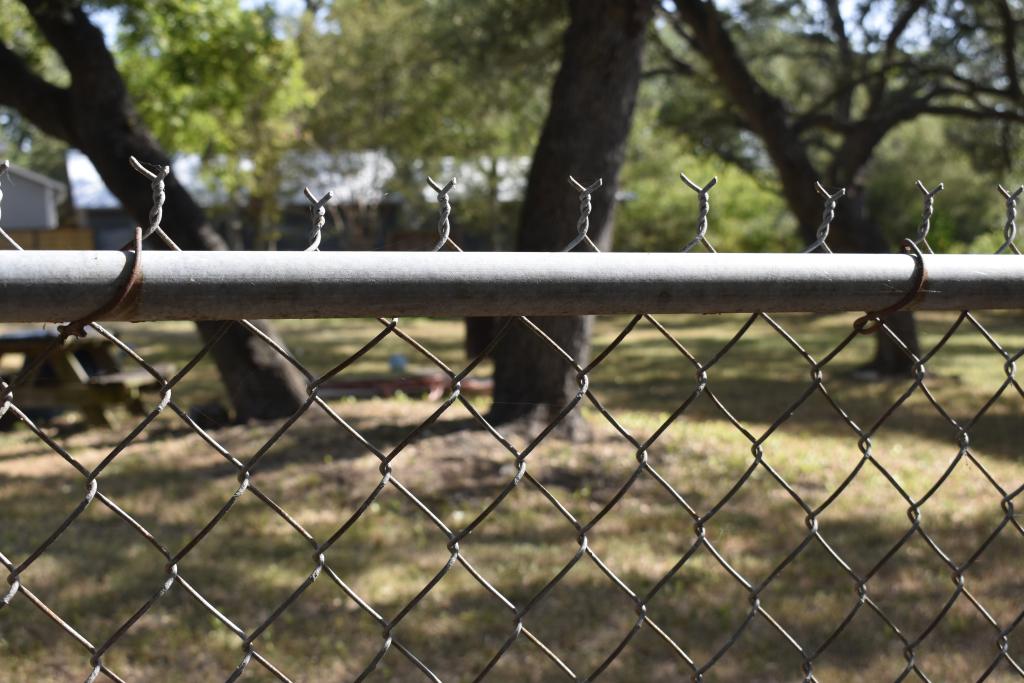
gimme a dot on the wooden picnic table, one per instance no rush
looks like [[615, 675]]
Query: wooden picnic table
[[85, 374]]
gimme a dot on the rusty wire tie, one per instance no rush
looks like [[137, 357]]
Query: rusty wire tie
[[871, 321], [126, 294], [128, 291]]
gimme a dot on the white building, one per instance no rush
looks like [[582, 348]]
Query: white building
[[30, 200], [364, 212]]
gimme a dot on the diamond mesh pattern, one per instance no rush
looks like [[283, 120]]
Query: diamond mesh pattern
[[700, 520]]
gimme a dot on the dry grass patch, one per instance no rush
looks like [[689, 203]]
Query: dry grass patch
[[172, 482]]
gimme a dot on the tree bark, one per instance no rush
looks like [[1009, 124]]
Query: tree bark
[[95, 115], [766, 115], [584, 135]]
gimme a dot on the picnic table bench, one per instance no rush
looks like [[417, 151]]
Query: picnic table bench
[[85, 374]]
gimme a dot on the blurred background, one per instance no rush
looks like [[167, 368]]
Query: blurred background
[[249, 102], [254, 100]]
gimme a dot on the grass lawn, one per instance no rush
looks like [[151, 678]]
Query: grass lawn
[[101, 570]]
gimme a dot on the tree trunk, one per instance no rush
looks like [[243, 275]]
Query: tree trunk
[[768, 117], [855, 231], [584, 135], [97, 117], [858, 232]]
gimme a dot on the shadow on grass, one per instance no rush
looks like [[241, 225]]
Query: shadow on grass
[[101, 570]]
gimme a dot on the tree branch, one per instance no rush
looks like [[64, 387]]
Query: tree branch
[[81, 47], [899, 27], [667, 71], [764, 112], [978, 114], [1009, 47], [677, 25], [835, 17], [36, 99], [678, 65]]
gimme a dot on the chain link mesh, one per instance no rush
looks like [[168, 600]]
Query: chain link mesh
[[859, 580]]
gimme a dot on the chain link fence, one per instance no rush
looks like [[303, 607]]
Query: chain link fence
[[821, 597]]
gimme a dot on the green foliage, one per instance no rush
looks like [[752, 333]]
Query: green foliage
[[856, 92], [436, 84], [207, 77], [207, 74], [24, 145], [20, 141], [968, 212], [217, 80], [436, 78], [660, 212], [18, 33], [446, 83]]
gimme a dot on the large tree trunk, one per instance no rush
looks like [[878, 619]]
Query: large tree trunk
[[584, 135], [95, 114], [854, 230], [857, 231]]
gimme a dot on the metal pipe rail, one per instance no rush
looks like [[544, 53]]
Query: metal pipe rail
[[56, 286]]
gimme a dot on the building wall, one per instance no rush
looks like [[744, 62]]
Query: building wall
[[28, 206]]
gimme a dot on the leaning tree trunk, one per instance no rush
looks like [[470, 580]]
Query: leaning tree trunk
[[584, 135], [854, 230], [95, 114], [857, 231], [770, 119]]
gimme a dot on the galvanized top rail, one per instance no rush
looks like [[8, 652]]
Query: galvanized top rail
[[65, 285]]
